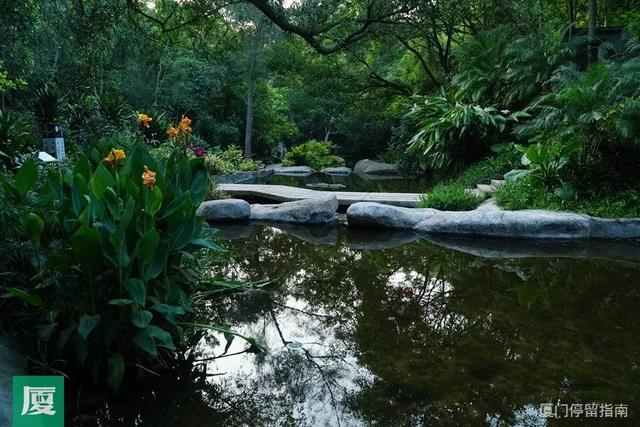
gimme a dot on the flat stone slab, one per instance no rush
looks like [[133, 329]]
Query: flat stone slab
[[225, 210], [529, 224], [498, 223], [366, 214], [284, 193], [341, 170], [288, 170], [489, 220], [317, 210], [371, 167]]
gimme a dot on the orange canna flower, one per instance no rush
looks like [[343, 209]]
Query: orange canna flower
[[148, 177], [185, 124], [172, 132], [114, 156], [144, 120], [118, 154]]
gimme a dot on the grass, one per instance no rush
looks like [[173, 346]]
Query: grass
[[450, 197], [522, 194], [453, 196]]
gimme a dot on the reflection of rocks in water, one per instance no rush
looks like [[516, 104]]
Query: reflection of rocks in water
[[370, 239], [441, 337], [12, 362], [371, 177], [325, 186], [316, 234], [235, 231], [507, 248]]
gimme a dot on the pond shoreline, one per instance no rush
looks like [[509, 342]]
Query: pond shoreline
[[486, 221]]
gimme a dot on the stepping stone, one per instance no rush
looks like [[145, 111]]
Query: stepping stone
[[486, 189], [497, 182]]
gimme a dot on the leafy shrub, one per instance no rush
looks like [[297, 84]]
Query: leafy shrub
[[229, 161], [14, 138], [111, 238], [450, 198], [47, 105], [494, 167], [454, 134], [527, 194], [314, 153], [499, 68], [599, 106], [547, 161]]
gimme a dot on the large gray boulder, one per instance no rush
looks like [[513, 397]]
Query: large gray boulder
[[225, 210], [340, 170], [369, 214], [623, 228], [371, 167], [294, 170], [318, 210], [534, 224]]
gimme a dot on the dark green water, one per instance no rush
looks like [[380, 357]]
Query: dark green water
[[416, 334], [353, 182]]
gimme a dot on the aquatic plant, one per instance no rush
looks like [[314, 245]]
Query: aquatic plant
[[110, 240]]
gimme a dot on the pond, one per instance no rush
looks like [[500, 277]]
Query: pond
[[353, 182], [374, 331]]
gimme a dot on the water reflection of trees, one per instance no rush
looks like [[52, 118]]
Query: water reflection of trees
[[452, 339]]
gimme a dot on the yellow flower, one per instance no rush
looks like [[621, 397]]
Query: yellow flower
[[144, 120], [185, 124], [114, 156], [118, 154], [172, 132], [148, 177]]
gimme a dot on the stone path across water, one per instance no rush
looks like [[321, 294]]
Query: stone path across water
[[283, 193]]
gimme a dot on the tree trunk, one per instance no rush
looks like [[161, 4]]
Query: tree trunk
[[591, 29], [571, 12], [253, 60]]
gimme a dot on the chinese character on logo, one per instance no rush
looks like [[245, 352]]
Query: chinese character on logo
[[548, 410], [38, 401]]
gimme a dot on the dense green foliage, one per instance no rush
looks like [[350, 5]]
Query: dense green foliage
[[106, 246], [523, 194], [316, 154]]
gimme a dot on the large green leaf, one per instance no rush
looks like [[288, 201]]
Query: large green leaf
[[102, 179], [87, 324], [26, 176], [141, 319], [86, 242], [145, 341], [115, 366], [146, 247], [161, 335], [137, 290], [154, 200], [25, 296]]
